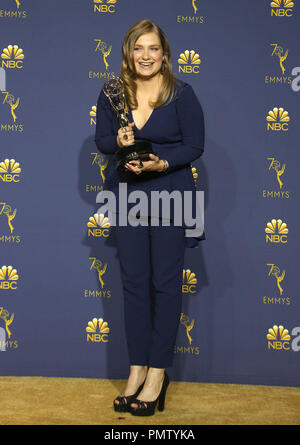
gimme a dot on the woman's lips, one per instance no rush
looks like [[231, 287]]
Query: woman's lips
[[146, 65]]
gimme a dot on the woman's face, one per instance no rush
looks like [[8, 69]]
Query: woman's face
[[148, 55]]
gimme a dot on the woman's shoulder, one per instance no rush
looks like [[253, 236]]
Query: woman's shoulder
[[181, 87]]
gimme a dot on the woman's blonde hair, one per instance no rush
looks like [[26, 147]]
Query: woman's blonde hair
[[128, 73]]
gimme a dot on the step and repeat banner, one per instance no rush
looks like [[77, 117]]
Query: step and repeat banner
[[61, 302]]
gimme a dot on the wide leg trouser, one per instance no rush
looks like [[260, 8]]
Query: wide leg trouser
[[151, 253]]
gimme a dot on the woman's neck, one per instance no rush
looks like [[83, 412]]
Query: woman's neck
[[147, 86]]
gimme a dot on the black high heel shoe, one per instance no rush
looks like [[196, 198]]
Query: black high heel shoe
[[148, 408], [124, 401]]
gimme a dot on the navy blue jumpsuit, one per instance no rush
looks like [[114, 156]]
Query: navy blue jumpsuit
[[154, 253]]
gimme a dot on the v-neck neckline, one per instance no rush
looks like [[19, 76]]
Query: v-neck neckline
[[140, 129]]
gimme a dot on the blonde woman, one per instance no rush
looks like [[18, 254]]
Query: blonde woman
[[166, 112]]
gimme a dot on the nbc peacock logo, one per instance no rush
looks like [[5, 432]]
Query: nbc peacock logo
[[93, 115], [98, 226], [278, 338], [189, 62], [276, 231], [8, 278], [105, 6], [97, 331], [282, 8], [278, 119], [10, 170], [189, 281], [195, 174], [12, 57]]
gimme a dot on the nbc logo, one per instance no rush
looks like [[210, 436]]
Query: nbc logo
[[189, 281], [93, 114], [12, 57], [278, 119], [97, 331], [195, 174], [8, 278], [96, 221], [282, 8], [189, 62], [10, 171], [278, 338], [104, 6], [276, 231]]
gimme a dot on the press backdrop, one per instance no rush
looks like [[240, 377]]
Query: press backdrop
[[240, 318]]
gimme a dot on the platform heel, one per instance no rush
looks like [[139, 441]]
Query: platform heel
[[148, 408]]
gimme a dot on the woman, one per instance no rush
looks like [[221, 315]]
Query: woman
[[166, 112]]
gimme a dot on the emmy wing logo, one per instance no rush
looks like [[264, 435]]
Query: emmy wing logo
[[281, 76], [278, 168], [282, 56], [276, 231], [278, 171], [105, 6], [16, 13], [6, 341], [185, 321], [100, 268], [8, 278], [6, 210], [13, 103], [12, 57], [189, 281], [278, 120], [10, 171], [189, 62], [282, 8], [97, 331], [191, 348], [101, 163], [195, 4], [104, 50], [279, 276]]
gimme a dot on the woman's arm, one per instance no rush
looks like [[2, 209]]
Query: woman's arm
[[191, 122], [105, 138]]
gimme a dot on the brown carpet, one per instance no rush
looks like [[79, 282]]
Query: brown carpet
[[70, 401]]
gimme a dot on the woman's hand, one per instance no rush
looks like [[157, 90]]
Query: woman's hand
[[154, 164], [125, 136]]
